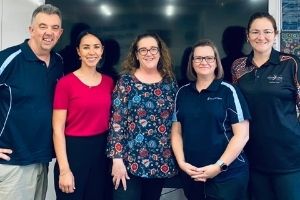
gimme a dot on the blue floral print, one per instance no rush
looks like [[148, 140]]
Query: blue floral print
[[140, 127]]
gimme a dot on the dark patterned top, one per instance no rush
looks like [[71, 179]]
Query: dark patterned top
[[140, 127], [270, 91]]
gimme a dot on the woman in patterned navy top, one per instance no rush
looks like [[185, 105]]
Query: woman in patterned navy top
[[139, 138], [266, 77]]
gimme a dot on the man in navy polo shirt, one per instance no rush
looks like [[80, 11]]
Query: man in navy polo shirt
[[28, 74]]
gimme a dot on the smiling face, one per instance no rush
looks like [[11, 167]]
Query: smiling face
[[148, 53], [204, 62], [45, 30], [90, 50], [261, 35]]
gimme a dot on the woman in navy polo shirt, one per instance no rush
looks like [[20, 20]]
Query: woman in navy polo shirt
[[210, 129], [267, 79]]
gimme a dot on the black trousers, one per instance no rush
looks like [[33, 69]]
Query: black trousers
[[232, 189], [274, 186], [139, 188], [89, 165]]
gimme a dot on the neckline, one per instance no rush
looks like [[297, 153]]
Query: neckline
[[88, 86], [139, 81]]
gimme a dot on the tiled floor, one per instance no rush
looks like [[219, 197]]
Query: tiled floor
[[172, 194]]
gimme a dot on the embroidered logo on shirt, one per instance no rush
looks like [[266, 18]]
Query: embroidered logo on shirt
[[213, 98], [275, 78]]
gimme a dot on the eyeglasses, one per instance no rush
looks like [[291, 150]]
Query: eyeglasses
[[256, 33], [208, 59], [144, 51]]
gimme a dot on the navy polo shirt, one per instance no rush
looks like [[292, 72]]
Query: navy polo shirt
[[274, 144], [26, 93], [206, 118]]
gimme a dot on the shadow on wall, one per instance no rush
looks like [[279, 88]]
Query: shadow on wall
[[69, 53], [183, 66], [111, 58], [233, 40]]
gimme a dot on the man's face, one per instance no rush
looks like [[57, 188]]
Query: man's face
[[45, 31]]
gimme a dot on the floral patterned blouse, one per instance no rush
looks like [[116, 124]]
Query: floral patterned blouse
[[140, 127]]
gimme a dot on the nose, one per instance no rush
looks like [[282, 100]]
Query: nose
[[92, 51], [261, 35]]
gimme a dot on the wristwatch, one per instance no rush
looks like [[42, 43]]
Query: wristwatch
[[223, 166]]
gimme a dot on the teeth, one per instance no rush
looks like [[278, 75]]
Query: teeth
[[47, 40], [91, 59]]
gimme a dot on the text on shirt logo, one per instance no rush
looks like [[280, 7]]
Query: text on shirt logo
[[213, 98], [275, 78]]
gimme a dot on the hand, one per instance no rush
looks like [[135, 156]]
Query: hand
[[66, 182], [119, 173], [4, 152], [206, 172], [188, 168]]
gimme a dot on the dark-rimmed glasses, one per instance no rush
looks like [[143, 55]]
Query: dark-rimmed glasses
[[208, 59], [144, 51]]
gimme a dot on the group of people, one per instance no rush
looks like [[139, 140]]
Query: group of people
[[144, 129]]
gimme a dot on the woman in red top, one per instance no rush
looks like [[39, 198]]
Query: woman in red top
[[80, 122]]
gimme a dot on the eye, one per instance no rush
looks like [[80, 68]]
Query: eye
[[209, 58], [268, 32], [55, 28], [42, 26]]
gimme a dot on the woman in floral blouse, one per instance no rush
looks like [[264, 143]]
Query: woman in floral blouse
[[139, 139]]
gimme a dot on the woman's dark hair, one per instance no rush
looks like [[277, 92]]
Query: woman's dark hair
[[259, 15], [84, 33], [164, 65]]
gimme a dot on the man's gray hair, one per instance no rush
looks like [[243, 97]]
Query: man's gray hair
[[47, 9]]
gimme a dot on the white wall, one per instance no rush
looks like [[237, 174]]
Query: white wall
[[15, 19]]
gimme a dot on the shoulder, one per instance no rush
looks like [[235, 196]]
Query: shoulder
[[284, 57], [229, 89], [239, 63], [10, 53], [107, 80], [67, 79], [183, 89], [125, 79]]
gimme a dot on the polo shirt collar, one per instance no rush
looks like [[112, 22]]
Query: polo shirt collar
[[274, 58], [27, 51], [214, 86], [30, 55]]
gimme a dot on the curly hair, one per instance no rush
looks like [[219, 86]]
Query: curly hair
[[164, 65]]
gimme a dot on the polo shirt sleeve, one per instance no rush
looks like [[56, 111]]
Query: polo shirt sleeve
[[61, 100], [237, 108], [298, 77], [175, 117]]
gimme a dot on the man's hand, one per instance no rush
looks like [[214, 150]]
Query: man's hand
[[4, 154]]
